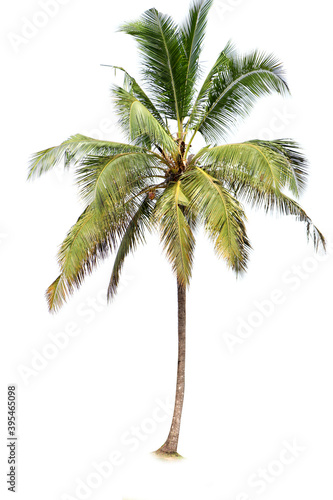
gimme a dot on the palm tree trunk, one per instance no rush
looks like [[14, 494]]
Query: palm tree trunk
[[171, 444]]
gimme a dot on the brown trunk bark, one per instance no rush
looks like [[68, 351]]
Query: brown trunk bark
[[171, 444]]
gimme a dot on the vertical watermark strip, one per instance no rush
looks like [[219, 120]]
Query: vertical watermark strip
[[12, 438]]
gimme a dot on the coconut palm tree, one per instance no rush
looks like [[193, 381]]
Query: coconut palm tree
[[155, 181]]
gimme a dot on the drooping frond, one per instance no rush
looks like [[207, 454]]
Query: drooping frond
[[222, 216], [138, 122], [252, 192], [57, 294], [110, 180], [89, 240], [192, 35], [73, 150], [297, 179], [176, 233], [164, 61], [133, 235], [286, 206], [234, 90], [270, 164]]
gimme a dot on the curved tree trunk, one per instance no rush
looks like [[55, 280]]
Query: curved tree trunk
[[171, 444]]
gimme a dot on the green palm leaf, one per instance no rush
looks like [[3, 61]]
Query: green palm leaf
[[235, 89], [164, 61], [132, 86], [271, 164], [254, 194], [133, 235], [138, 122], [192, 35], [112, 180], [286, 206], [73, 150], [176, 233], [220, 64], [222, 216], [88, 241]]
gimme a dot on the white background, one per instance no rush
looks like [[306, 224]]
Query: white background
[[243, 403]]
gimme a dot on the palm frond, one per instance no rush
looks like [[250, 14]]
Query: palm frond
[[57, 294], [270, 164], [286, 206], [164, 61], [138, 122], [222, 216], [220, 64], [131, 85], [234, 91], [176, 233], [110, 180], [298, 164], [133, 235], [89, 240], [192, 35], [72, 151], [255, 195]]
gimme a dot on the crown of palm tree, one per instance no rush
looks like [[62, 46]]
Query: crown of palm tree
[[153, 182]]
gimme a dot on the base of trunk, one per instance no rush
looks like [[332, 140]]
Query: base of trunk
[[167, 455]]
